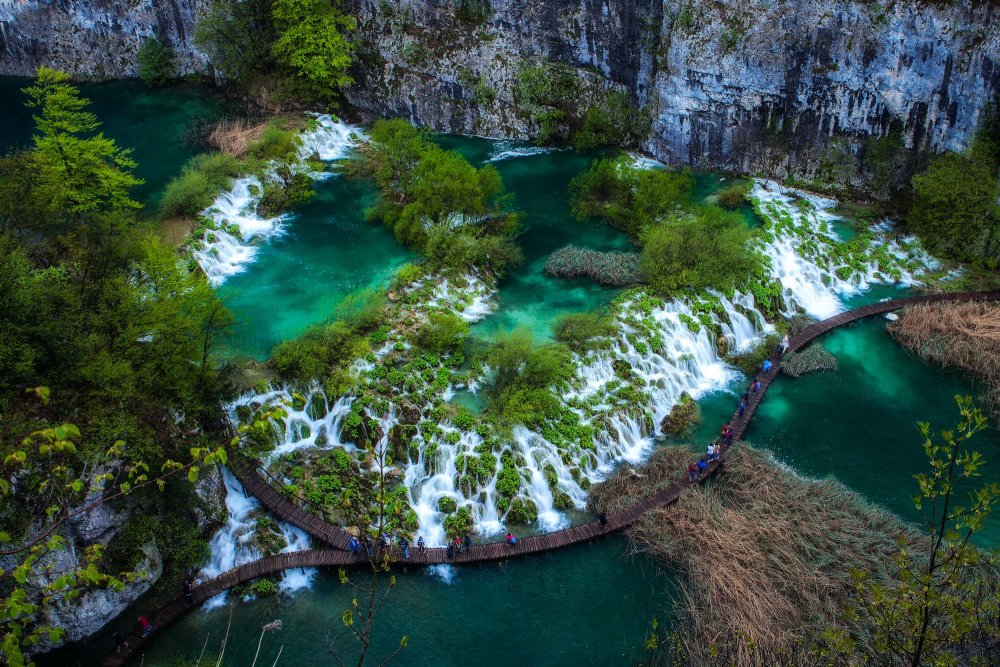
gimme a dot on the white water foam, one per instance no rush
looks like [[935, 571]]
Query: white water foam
[[239, 229], [232, 544], [509, 150]]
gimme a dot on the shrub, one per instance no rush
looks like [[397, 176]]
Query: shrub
[[706, 248], [682, 417], [614, 121], [318, 351], [157, 63], [276, 142], [734, 196], [447, 505], [608, 268], [459, 523], [626, 196], [444, 333], [582, 332], [475, 12], [415, 53], [200, 181], [522, 375], [955, 208]]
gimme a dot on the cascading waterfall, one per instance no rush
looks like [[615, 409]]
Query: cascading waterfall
[[666, 348], [232, 544], [237, 227]]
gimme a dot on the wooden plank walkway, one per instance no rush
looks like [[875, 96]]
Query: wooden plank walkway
[[335, 536]]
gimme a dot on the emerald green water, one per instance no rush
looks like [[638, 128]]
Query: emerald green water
[[584, 605], [326, 252], [158, 124]]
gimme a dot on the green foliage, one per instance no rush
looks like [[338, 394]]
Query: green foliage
[[944, 603], [682, 417], [276, 142], [444, 333], [474, 12], [292, 188], [436, 202], [157, 63], [236, 35], [614, 121], [955, 209], [706, 248], [735, 195], [311, 44], [198, 184], [583, 332], [75, 171], [519, 387], [626, 196]]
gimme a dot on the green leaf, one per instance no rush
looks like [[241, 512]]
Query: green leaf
[[404, 641], [348, 618], [193, 474]]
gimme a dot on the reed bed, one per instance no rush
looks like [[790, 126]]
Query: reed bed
[[813, 359], [765, 556], [234, 135], [956, 335], [608, 268]]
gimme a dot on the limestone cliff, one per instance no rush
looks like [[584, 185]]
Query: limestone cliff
[[815, 88]]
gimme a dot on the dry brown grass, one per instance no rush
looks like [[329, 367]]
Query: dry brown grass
[[956, 335], [765, 556], [235, 135]]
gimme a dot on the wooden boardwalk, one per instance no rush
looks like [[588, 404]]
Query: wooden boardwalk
[[335, 536]]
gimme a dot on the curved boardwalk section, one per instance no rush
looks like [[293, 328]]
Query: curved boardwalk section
[[336, 536]]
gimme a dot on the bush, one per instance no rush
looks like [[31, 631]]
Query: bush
[[955, 209], [608, 268], [626, 196], [706, 248], [199, 183], [318, 352], [615, 121], [518, 389], [733, 196], [276, 142], [290, 190], [157, 63], [582, 332], [682, 417], [444, 333]]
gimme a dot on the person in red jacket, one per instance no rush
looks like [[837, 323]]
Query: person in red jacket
[[145, 627]]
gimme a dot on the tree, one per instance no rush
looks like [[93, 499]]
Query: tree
[[236, 35], [311, 45], [76, 172], [157, 62], [706, 248], [944, 609], [955, 208], [627, 196]]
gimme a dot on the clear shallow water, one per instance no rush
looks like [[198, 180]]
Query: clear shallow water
[[325, 252], [587, 605], [156, 123]]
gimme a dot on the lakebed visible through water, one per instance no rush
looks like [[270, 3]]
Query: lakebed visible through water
[[589, 604]]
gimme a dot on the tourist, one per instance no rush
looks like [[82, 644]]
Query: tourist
[[693, 470], [729, 434], [756, 385], [767, 365], [405, 547], [457, 544], [603, 518], [421, 545], [785, 344], [145, 627], [741, 408], [353, 545], [468, 542], [186, 589], [711, 451], [702, 465], [450, 550], [511, 540], [746, 396]]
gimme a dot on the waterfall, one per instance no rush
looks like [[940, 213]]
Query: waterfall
[[237, 228], [232, 543]]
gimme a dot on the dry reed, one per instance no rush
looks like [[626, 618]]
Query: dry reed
[[811, 360], [608, 268], [765, 556], [234, 136], [956, 335]]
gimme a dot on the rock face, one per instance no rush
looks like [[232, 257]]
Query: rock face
[[822, 89], [93, 38]]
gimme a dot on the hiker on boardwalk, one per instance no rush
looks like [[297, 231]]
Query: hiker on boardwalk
[[450, 550], [405, 547], [784, 345], [716, 451], [421, 545], [186, 589], [511, 540], [693, 470], [353, 545], [468, 542], [702, 465], [755, 385], [741, 408], [727, 433], [145, 627], [711, 451], [767, 365], [457, 544]]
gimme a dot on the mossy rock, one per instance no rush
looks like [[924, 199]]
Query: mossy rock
[[522, 510], [563, 501], [447, 505], [267, 537], [682, 417], [459, 524]]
